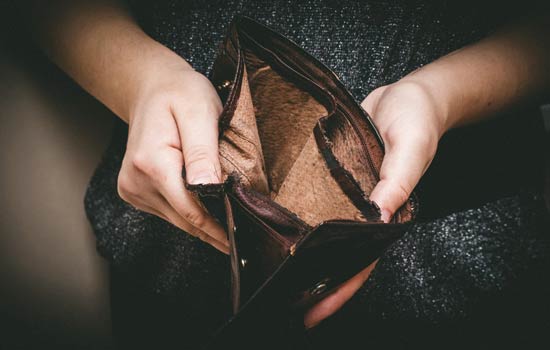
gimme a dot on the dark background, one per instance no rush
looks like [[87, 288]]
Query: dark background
[[53, 285]]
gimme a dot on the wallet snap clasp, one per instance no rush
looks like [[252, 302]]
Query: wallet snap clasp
[[226, 84], [320, 287]]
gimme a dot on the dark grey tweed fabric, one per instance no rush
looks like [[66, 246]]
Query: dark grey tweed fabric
[[481, 236]]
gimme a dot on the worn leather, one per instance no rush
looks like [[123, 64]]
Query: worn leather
[[299, 157]]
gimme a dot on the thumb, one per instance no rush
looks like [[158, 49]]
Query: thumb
[[403, 165], [199, 141]]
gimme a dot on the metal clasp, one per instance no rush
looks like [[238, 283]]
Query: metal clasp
[[320, 287], [224, 85]]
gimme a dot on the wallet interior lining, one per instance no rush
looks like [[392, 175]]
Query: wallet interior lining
[[270, 144]]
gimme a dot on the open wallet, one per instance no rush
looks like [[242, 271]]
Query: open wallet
[[299, 158]]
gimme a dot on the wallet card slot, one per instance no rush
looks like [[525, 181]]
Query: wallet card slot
[[270, 129], [258, 244], [283, 223], [274, 236], [240, 143], [297, 76]]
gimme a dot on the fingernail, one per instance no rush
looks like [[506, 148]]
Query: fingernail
[[309, 326], [202, 179], [385, 215]]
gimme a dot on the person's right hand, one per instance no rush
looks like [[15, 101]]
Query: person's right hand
[[411, 122], [173, 123]]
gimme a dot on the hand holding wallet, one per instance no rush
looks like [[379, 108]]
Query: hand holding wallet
[[299, 158]]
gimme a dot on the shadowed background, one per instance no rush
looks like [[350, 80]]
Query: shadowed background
[[53, 285]]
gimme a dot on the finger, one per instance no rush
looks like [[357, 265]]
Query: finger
[[198, 129], [194, 220], [177, 220], [148, 209], [334, 301], [370, 102], [404, 163], [163, 210], [172, 189]]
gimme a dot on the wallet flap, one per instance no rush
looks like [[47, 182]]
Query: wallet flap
[[327, 256]]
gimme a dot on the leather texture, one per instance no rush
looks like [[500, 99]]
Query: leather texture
[[299, 157]]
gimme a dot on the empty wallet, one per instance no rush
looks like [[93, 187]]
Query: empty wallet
[[299, 158]]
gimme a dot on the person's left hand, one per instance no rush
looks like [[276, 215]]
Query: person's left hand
[[411, 124]]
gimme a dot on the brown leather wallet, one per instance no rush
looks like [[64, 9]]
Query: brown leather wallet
[[299, 158]]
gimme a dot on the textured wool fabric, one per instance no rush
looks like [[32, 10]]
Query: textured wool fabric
[[480, 234], [476, 278]]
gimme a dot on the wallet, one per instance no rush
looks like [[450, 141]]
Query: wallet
[[299, 158]]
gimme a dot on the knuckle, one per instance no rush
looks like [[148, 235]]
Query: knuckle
[[162, 97], [142, 208], [403, 193], [371, 100], [195, 218], [125, 187], [203, 108], [425, 143], [195, 232], [196, 155], [200, 109], [212, 109], [202, 236], [143, 162], [389, 135], [418, 139], [397, 192], [400, 191], [198, 152]]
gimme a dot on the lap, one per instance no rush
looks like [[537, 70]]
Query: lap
[[474, 278], [480, 265]]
